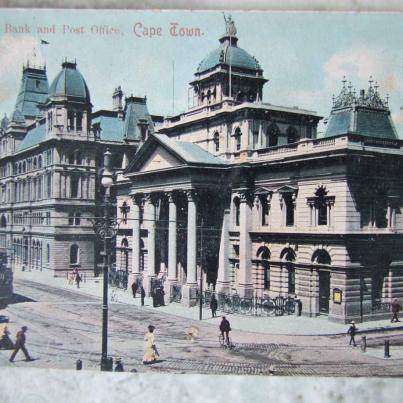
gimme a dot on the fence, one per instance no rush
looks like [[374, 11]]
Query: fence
[[255, 306]]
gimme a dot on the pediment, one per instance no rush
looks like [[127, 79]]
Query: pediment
[[159, 158]]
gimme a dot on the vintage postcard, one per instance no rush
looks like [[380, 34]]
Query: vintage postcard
[[207, 193]]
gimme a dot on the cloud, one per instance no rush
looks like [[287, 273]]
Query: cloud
[[357, 64], [14, 52]]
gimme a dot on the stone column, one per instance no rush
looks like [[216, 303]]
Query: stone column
[[136, 240], [223, 276], [150, 218], [245, 287], [189, 290], [172, 252]]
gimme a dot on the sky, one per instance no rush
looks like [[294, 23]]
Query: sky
[[304, 55]]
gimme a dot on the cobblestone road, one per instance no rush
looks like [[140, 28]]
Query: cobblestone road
[[65, 326]]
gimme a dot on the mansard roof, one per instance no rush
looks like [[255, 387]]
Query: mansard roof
[[33, 137], [367, 114], [115, 129], [33, 91]]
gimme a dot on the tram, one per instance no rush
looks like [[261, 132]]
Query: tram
[[6, 280]]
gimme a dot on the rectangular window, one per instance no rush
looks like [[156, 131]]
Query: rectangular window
[[289, 211], [70, 121], [74, 183]]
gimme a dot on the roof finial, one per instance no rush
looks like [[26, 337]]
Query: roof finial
[[370, 81], [344, 81]]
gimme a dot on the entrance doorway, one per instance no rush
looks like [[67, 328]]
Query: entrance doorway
[[324, 291]]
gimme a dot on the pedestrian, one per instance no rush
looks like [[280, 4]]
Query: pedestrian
[[134, 288], [213, 305], [160, 296], [5, 341], [151, 352], [119, 365], [142, 295], [225, 328], [154, 297], [352, 331], [396, 308], [20, 344], [78, 279]]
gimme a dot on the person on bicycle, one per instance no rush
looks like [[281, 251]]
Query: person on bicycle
[[225, 328]]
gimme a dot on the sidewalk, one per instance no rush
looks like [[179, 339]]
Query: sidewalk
[[280, 325]]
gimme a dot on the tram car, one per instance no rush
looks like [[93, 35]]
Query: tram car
[[6, 280]]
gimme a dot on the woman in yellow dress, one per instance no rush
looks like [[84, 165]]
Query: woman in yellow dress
[[151, 352]]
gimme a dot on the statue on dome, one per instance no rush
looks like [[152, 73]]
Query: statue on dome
[[230, 29]]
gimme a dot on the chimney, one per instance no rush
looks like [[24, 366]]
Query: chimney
[[117, 101]]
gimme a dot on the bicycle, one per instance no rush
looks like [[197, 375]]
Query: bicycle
[[224, 343]]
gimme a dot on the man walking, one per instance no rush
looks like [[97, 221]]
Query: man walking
[[142, 295], [20, 344], [225, 328], [396, 307], [351, 331], [134, 288], [213, 305]]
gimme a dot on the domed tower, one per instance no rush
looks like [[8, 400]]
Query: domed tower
[[69, 105], [228, 72]]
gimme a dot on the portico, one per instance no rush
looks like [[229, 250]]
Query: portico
[[171, 206]]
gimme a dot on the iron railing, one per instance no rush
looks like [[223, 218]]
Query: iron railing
[[379, 306], [176, 294], [255, 306]]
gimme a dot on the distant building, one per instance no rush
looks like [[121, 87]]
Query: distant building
[[247, 192], [51, 155]]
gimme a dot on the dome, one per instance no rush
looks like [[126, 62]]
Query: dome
[[225, 53], [70, 83]]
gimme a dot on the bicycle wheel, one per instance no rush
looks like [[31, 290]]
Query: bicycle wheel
[[221, 340]]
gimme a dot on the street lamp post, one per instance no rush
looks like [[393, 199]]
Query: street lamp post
[[106, 228]]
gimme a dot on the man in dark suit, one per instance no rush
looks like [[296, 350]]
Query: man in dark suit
[[225, 328], [20, 344]]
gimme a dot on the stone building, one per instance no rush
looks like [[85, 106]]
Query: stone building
[[51, 154], [247, 193]]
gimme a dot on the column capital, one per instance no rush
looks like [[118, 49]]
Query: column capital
[[172, 196], [192, 195], [152, 198], [245, 196], [137, 198]]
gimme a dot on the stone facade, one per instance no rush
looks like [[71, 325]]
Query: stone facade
[[247, 194], [50, 161]]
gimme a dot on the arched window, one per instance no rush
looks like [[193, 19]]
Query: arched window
[[321, 256], [216, 139], [237, 211], [40, 161], [3, 221], [263, 253], [288, 254], [124, 209], [124, 264], [238, 136], [19, 168], [24, 167], [74, 254], [35, 163], [272, 135]]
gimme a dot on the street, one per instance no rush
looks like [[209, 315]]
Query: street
[[65, 325]]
